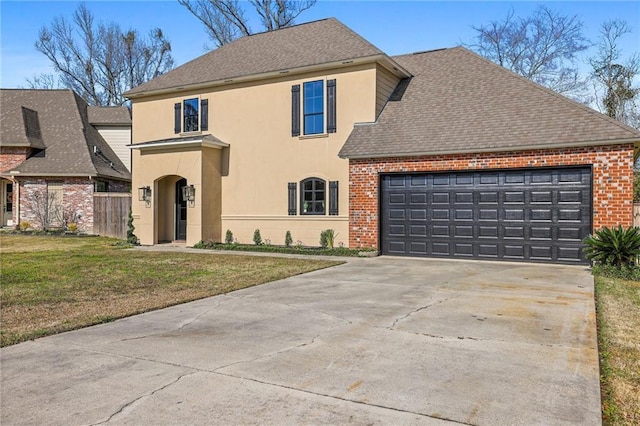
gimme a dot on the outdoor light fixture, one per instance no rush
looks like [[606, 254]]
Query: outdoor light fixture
[[189, 193], [144, 193]]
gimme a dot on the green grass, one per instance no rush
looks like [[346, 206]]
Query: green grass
[[50, 284], [618, 316]]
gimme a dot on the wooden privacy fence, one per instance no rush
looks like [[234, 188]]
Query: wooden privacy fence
[[111, 213], [636, 215]]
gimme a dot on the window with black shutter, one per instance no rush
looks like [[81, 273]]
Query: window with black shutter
[[292, 198], [331, 106], [333, 198], [204, 114], [295, 110], [177, 117]]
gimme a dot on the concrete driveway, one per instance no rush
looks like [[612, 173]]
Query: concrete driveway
[[375, 341]]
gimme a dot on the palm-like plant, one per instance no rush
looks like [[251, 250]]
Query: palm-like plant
[[614, 246]]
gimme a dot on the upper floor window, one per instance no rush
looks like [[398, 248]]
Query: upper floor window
[[318, 107], [191, 115], [313, 107]]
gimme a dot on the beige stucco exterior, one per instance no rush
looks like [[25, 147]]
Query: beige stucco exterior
[[243, 187]]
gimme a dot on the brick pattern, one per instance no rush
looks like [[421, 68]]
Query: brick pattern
[[612, 181], [77, 198], [11, 157]]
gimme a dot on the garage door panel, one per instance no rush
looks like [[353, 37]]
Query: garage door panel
[[540, 215]]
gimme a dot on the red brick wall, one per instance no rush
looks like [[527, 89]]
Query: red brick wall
[[77, 198], [11, 157], [612, 181]]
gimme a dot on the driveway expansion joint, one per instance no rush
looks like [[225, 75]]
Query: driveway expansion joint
[[368, 404]]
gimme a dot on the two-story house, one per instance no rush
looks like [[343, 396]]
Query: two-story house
[[54, 158], [437, 153]]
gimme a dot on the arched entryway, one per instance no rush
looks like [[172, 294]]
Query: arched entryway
[[172, 211]]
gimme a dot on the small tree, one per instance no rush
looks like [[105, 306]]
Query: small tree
[[131, 237], [228, 238], [287, 239], [46, 208], [257, 239]]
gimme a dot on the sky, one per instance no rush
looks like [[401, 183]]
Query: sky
[[395, 27]]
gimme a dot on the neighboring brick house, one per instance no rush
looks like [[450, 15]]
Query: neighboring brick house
[[439, 154], [50, 151]]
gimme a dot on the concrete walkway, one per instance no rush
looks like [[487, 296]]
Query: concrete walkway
[[373, 341]]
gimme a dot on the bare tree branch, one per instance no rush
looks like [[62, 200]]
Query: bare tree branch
[[225, 20], [614, 77], [542, 47], [99, 61]]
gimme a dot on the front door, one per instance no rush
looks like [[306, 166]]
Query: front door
[[181, 211], [7, 203]]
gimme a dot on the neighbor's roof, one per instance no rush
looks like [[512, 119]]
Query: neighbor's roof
[[458, 101], [109, 115], [315, 43], [67, 136]]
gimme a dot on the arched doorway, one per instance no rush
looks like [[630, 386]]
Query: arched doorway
[[181, 211], [171, 209]]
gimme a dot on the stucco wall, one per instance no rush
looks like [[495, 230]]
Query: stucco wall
[[263, 157], [612, 167]]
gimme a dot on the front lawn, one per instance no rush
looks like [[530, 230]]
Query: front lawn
[[50, 284], [618, 312]]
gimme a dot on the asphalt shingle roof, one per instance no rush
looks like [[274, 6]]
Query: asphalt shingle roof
[[457, 101], [313, 43], [109, 115], [66, 134]]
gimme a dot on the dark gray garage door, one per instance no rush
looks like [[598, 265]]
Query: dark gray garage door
[[528, 215]]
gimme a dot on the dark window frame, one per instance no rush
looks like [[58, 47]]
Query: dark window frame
[[312, 91], [315, 198], [190, 115]]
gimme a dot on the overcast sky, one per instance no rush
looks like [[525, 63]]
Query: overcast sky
[[395, 27]]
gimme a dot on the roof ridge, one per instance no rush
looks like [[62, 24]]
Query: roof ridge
[[283, 28], [553, 92]]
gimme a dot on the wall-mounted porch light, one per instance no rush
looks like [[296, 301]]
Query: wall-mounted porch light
[[189, 193], [144, 194]]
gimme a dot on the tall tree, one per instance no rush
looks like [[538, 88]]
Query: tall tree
[[99, 61], [613, 77], [225, 20], [542, 47]]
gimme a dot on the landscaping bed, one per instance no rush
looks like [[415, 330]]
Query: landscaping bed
[[304, 250]]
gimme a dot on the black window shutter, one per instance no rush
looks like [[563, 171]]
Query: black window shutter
[[333, 198], [292, 199], [204, 114], [295, 110], [331, 106], [177, 117]]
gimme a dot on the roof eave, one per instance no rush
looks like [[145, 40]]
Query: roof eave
[[17, 173], [204, 141], [383, 59], [492, 149]]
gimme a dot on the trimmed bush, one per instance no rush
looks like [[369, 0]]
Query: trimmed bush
[[257, 238], [287, 239], [228, 238]]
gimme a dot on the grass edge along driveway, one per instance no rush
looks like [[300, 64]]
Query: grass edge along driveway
[[53, 284]]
